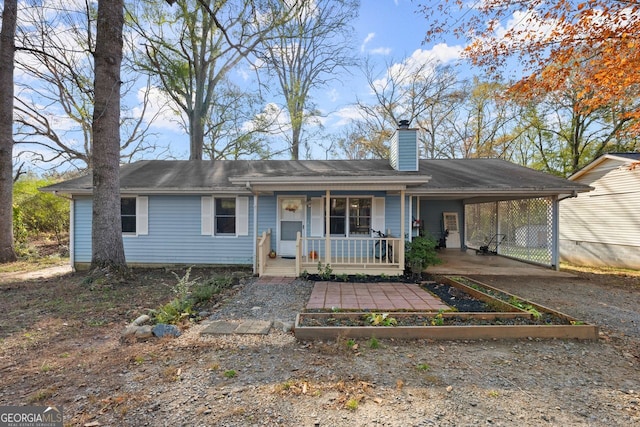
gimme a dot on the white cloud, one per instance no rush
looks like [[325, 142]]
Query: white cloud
[[333, 94], [159, 106], [346, 115], [380, 51], [375, 51], [366, 41], [423, 61]]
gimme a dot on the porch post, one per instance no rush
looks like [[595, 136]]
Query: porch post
[[403, 220], [327, 227], [497, 226], [555, 233]]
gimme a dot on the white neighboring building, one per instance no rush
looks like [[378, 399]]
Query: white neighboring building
[[602, 227]]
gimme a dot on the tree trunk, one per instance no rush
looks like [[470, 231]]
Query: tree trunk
[[196, 134], [7, 53], [106, 234]]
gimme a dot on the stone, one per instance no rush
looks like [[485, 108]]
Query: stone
[[141, 320], [161, 330], [130, 330], [145, 331], [282, 325]]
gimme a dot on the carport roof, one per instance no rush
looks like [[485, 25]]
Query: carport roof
[[445, 178]]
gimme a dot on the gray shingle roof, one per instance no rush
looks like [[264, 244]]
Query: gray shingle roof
[[457, 176]]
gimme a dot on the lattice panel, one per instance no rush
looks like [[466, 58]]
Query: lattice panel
[[527, 229], [520, 229], [480, 224]]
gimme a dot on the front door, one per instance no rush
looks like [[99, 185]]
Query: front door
[[450, 220], [291, 211]]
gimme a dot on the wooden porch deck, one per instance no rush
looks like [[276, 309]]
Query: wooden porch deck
[[286, 267]]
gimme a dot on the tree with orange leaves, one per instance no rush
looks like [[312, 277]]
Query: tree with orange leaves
[[553, 42]]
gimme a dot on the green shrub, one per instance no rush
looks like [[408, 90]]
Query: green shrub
[[421, 251], [35, 212]]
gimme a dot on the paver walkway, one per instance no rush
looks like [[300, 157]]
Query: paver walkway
[[373, 296], [218, 327]]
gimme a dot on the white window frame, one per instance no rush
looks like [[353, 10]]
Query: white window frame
[[141, 216], [208, 216], [318, 215]]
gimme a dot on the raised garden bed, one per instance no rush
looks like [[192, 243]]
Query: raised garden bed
[[496, 315]]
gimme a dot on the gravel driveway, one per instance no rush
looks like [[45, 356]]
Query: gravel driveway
[[273, 380]]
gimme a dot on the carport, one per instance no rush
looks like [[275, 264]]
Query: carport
[[501, 207]]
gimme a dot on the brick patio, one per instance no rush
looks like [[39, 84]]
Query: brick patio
[[373, 296]]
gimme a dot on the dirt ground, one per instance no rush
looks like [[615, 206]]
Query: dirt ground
[[60, 344]]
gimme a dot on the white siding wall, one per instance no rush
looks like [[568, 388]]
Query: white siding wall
[[604, 218]]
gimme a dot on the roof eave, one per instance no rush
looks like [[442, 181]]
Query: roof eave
[[322, 179], [528, 192], [155, 191]]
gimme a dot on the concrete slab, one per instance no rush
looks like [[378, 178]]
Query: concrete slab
[[221, 327], [457, 262]]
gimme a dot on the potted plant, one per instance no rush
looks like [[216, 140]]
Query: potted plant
[[313, 255], [421, 253], [272, 254]]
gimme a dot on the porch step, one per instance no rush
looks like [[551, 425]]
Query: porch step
[[280, 267], [279, 271]]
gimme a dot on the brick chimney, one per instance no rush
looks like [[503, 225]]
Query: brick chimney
[[403, 154]]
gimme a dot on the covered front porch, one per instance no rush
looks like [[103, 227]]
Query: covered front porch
[[454, 262], [334, 255]]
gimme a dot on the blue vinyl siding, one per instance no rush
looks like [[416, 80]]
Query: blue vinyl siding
[[392, 215], [175, 230], [431, 213], [404, 150], [267, 214], [174, 236], [407, 151]]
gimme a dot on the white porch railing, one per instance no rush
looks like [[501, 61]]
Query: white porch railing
[[345, 252], [264, 247]]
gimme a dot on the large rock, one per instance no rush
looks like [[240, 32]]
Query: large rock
[[144, 332], [161, 330], [141, 320]]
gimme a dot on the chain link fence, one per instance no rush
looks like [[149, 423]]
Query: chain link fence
[[520, 229]]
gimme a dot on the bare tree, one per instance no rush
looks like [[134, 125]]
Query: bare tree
[[236, 129], [483, 122], [308, 51], [192, 49], [7, 54], [54, 114], [422, 92], [106, 236]]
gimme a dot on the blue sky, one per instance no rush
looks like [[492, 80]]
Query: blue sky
[[386, 31]]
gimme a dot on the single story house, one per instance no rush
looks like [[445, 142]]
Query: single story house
[[602, 228], [314, 213]]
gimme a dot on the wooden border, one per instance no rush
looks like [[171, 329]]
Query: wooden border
[[582, 331]]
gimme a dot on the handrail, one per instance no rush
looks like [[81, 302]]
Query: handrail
[[298, 253], [264, 246]]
